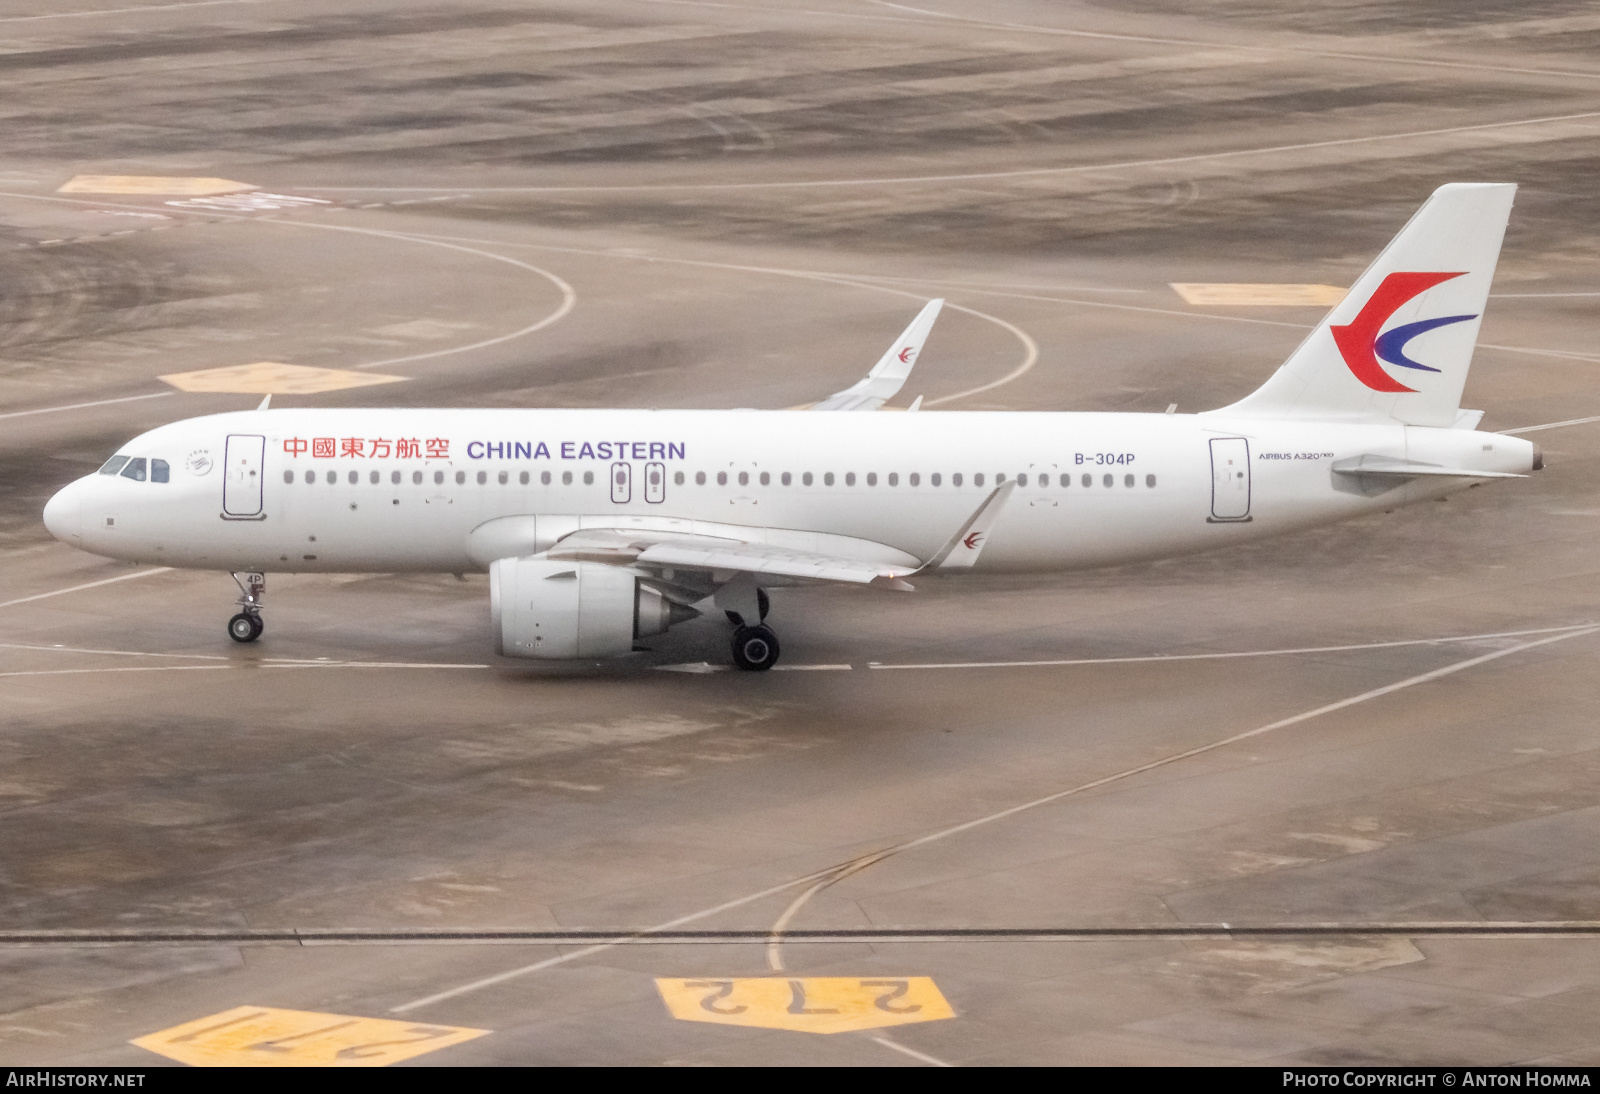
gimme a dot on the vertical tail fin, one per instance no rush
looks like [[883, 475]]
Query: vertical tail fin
[[1398, 347]]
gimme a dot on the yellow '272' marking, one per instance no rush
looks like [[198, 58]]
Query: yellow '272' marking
[[813, 1004], [269, 1037]]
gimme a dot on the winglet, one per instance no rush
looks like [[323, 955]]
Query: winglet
[[965, 546], [889, 374], [265, 402]]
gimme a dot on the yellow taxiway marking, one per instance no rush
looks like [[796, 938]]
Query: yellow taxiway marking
[[1232, 296], [150, 184], [269, 1037], [814, 1004], [273, 378]]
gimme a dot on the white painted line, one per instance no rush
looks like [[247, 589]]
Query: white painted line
[[89, 585], [600, 947], [812, 668], [1538, 295], [113, 653], [569, 296], [944, 833], [1282, 723], [124, 668], [697, 667], [1379, 58], [1241, 653], [970, 176], [1551, 425], [81, 406], [285, 664], [932, 1061], [128, 11]]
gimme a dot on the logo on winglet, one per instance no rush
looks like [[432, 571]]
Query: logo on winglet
[[972, 541], [906, 354], [1362, 345]]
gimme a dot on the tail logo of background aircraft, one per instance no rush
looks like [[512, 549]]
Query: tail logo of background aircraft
[[1361, 344], [973, 540], [906, 354]]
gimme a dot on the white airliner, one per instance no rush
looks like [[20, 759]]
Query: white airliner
[[603, 527]]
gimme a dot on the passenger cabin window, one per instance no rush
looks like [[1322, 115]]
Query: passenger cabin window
[[461, 477], [977, 480], [523, 478], [1088, 480], [872, 478], [483, 477], [766, 479], [955, 480], [699, 478], [827, 479], [416, 478], [588, 478], [160, 471], [333, 477], [311, 477], [135, 469], [375, 478], [805, 480], [544, 478], [744, 478], [933, 479], [1066, 481], [849, 478], [894, 478], [566, 478], [677, 479], [288, 476], [113, 465], [355, 477]]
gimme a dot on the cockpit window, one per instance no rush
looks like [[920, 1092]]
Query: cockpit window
[[113, 465], [159, 471], [135, 469]]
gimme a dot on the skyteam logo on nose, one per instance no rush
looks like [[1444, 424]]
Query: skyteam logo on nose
[[1361, 344]]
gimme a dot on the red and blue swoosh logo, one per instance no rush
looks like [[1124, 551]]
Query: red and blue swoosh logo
[[1361, 344]]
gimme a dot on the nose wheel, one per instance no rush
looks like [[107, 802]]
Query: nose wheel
[[755, 649], [247, 625]]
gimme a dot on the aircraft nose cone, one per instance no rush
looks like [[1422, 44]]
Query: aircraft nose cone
[[61, 514]]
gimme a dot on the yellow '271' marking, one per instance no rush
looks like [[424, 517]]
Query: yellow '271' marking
[[269, 1037], [813, 1004]]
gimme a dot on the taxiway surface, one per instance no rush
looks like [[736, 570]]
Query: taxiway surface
[[683, 204]]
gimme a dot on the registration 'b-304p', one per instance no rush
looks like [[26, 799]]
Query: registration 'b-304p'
[[599, 528]]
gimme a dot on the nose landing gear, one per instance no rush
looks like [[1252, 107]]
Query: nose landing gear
[[247, 625]]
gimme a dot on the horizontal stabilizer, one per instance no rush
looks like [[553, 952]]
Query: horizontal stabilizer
[[889, 374], [1388, 465]]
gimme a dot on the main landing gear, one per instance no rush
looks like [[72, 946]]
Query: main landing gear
[[247, 625], [755, 648]]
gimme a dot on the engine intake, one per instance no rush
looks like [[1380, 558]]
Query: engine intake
[[564, 610]]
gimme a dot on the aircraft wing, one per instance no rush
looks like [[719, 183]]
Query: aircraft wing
[[714, 554], [889, 374], [720, 557]]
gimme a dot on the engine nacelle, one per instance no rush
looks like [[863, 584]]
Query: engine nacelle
[[563, 610]]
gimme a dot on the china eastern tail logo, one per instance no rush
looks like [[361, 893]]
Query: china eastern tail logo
[[1361, 344]]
